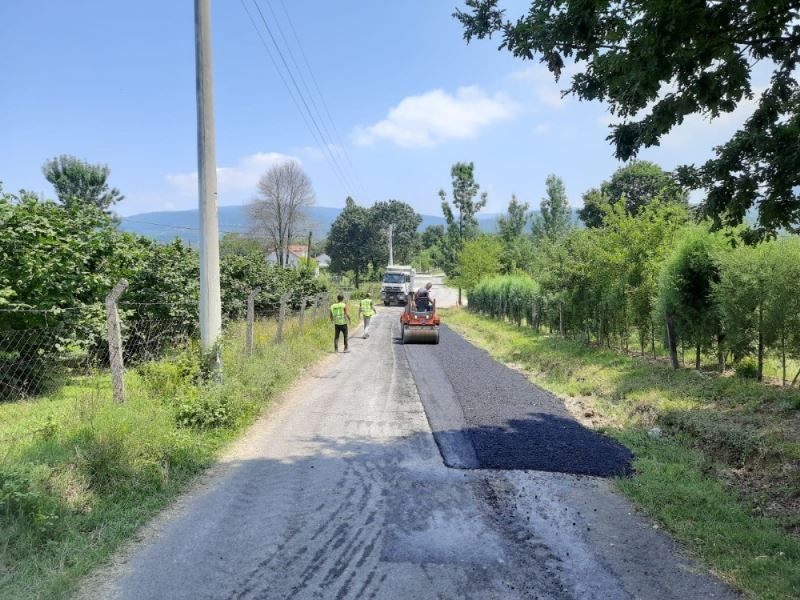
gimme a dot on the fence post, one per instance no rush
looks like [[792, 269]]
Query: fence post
[[115, 341], [251, 318], [281, 318], [315, 307], [302, 314]]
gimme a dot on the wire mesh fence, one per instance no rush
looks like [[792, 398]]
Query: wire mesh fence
[[36, 361]]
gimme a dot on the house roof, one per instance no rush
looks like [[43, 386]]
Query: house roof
[[298, 249]]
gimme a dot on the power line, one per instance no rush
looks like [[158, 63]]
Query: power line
[[179, 227], [296, 102], [325, 145], [341, 145]]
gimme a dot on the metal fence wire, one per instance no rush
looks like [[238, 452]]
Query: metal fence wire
[[38, 360]]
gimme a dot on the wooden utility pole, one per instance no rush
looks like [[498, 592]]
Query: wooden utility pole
[[210, 303]]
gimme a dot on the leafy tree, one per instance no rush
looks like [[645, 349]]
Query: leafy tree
[[555, 216], [79, 183], [405, 222], [635, 185], [432, 236], [479, 258], [687, 283], [461, 222], [517, 249], [657, 63], [634, 248], [757, 300], [352, 240], [512, 225], [595, 205]]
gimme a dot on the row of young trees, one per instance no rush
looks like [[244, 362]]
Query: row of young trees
[[642, 270]]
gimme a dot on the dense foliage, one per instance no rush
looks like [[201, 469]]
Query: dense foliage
[[513, 297], [461, 222], [652, 277], [79, 183], [59, 261], [358, 240], [636, 185], [656, 62]]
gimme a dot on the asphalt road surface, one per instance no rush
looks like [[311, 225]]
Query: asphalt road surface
[[485, 415], [341, 492]]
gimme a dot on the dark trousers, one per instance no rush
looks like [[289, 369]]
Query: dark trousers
[[343, 330]]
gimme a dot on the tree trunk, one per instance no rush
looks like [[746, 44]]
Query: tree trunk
[[561, 318], [653, 339], [697, 356], [721, 352], [783, 357], [459, 295], [760, 375], [796, 377], [673, 347]]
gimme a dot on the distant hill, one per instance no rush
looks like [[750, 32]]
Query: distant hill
[[166, 225]]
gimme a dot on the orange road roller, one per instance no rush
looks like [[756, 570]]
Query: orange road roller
[[419, 322]]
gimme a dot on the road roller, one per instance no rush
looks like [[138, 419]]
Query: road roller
[[419, 323]]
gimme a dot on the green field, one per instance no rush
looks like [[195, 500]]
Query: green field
[[80, 474], [724, 475]]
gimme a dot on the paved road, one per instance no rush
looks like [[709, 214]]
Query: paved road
[[342, 493], [485, 415]]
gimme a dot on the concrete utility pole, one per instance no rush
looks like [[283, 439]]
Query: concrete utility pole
[[308, 252], [391, 247], [210, 303]]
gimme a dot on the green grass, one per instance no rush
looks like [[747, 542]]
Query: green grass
[[80, 474], [725, 477]]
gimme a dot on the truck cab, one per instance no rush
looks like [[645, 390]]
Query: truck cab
[[397, 284]]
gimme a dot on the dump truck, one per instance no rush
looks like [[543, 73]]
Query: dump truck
[[397, 284], [419, 323]]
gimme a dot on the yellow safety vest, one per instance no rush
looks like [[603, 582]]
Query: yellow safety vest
[[337, 310], [366, 307]]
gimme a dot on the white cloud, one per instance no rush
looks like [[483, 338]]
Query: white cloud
[[700, 131], [232, 182], [436, 116]]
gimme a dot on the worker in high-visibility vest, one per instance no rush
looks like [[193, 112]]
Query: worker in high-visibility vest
[[340, 317], [366, 310]]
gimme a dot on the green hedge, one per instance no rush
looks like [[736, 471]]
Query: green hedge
[[513, 297]]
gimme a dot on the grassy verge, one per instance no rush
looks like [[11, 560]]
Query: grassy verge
[[80, 474], [723, 478]]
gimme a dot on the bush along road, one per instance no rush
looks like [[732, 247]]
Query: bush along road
[[343, 492]]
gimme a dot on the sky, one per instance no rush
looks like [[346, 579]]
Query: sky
[[397, 94]]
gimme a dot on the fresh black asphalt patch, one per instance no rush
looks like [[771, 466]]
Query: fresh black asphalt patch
[[487, 416]]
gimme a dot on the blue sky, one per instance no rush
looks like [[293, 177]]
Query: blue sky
[[113, 82]]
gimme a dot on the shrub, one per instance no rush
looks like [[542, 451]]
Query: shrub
[[165, 378], [747, 368], [208, 410], [22, 496], [508, 296]]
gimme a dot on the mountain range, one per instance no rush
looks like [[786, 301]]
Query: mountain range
[[167, 225]]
